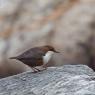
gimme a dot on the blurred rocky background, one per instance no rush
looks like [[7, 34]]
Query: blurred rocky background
[[64, 24]]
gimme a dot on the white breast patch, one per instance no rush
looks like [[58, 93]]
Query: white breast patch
[[47, 57]]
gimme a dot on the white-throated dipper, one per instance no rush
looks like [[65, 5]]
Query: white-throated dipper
[[37, 56]]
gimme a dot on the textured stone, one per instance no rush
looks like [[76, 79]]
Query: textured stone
[[65, 80]]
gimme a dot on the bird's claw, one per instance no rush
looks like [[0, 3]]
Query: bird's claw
[[38, 70]]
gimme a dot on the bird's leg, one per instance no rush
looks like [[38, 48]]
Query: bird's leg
[[44, 67], [34, 70], [37, 69]]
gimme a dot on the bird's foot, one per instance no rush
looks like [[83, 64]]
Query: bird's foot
[[38, 70], [35, 70]]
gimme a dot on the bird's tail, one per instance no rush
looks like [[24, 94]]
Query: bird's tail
[[13, 57]]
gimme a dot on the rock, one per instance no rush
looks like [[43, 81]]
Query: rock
[[65, 80]]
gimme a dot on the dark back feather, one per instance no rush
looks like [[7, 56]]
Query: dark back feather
[[32, 53]]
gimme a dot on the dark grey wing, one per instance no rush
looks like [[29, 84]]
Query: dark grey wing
[[32, 53]]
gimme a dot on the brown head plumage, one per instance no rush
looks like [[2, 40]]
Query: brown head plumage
[[49, 48]]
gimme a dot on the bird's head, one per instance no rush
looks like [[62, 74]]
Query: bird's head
[[50, 48]]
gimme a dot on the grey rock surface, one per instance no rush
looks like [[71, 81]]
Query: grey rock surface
[[65, 80]]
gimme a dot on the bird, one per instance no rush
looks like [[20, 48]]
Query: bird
[[36, 56]]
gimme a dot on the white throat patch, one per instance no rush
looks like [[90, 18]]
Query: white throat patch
[[47, 56]]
